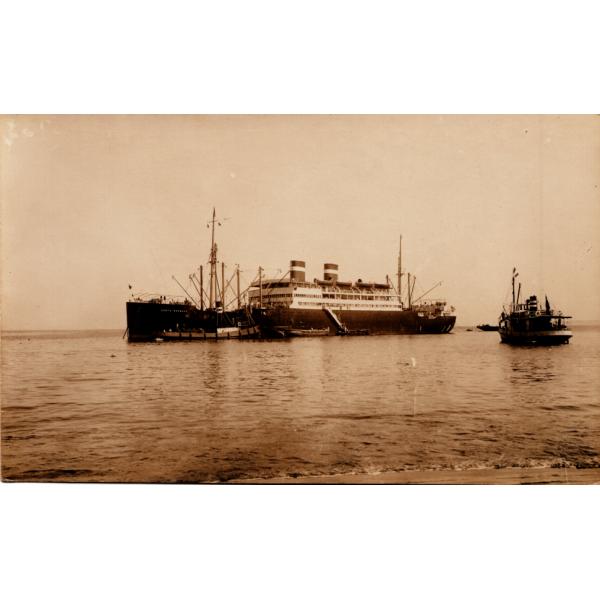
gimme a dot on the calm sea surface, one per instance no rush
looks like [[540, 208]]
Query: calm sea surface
[[87, 406]]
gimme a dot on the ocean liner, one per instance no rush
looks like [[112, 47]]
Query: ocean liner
[[290, 306], [528, 323]]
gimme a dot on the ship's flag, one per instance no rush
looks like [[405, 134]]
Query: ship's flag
[[130, 286]]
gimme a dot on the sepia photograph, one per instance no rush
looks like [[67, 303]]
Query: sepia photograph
[[300, 299]]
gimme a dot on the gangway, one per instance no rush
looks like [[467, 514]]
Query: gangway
[[340, 327]]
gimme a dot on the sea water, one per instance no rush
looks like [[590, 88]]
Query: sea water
[[88, 406]]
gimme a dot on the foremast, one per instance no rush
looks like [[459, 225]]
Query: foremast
[[513, 307], [212, 295]]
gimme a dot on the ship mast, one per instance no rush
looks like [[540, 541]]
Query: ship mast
[[514, 276], [400, 272], [213, 263], [201, 288], [223, 285]]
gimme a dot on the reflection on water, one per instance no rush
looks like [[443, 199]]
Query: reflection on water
[[536, 365], [87, 406]]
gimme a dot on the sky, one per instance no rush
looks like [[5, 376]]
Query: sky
[[93, 204]]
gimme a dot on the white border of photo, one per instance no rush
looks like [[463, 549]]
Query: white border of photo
[[99, 541]]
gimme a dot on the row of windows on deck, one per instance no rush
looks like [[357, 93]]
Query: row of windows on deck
[[327, 296], [335, 305]]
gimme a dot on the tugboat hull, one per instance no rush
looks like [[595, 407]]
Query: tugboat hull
[[539, 338]]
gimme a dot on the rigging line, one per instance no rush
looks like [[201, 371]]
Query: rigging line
[[241, 295], [427, 292], [234, 292], [396, 292], [184, 290], [194, 284], [204, 292], [227, 304], [278, 282], [246, 289], [228, 285]]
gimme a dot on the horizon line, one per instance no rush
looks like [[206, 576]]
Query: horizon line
[[574, 322]]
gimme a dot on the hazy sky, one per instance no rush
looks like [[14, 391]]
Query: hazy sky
[[92, 204]]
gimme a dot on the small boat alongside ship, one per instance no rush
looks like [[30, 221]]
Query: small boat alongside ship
[[220, 333], [290, 306], [529, 323], [306, 332], [487, 327]]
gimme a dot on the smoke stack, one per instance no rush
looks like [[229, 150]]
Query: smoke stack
[[297, 270], [330, 272]]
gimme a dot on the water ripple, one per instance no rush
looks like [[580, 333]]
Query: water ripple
[[87, 406]]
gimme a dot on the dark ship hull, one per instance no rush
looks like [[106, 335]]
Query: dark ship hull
[[278, 321], [149, 321]]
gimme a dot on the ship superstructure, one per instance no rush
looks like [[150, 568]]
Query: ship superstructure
[[292, 303]]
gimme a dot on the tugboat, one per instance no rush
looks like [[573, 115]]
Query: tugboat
[[529, 324]]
